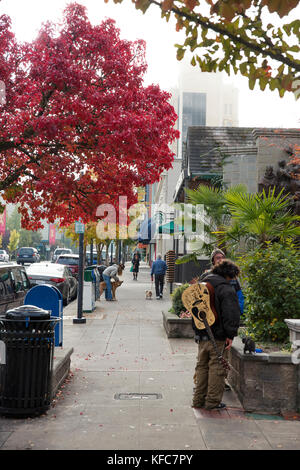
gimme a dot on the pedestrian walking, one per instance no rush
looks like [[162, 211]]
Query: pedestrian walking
[[109, 273], [135, 266], [209, 372], [137, 252], [158, 270]]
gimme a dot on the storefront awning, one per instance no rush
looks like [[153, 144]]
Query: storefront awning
[[168, 228]]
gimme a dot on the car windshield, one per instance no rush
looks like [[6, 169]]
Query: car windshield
[[26, 251], [2, 252], [61, 252], [68, 260]]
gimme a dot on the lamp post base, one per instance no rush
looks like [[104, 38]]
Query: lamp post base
[[79, 320]]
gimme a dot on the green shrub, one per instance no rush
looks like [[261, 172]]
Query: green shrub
[[272, 292], [177, 305]]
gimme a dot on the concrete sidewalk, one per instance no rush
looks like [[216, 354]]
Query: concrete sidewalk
[[131, 387]]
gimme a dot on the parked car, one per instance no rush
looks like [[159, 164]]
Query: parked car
[[27, 254], [14, 284], [4, 256], [60, 251], [70, 260], [56, 275]]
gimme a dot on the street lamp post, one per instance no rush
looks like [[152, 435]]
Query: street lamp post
[[79, 229]]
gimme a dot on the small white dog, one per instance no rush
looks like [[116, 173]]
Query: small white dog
[[148, 294]]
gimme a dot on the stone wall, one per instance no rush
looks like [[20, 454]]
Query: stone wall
[[264, 383], [177, 327]]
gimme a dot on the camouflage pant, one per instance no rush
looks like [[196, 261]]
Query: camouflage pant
[[209, 376]]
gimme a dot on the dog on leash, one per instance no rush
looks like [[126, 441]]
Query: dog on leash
[[148, 294], [114, 286]]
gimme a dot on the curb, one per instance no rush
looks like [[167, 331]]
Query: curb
[[61, 368]]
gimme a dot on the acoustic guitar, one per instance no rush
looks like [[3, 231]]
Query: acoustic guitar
[[199, 300]]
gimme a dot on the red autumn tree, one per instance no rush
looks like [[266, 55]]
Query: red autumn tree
[[78, 128]]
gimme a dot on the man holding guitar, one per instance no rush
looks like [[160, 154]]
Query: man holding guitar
[[216, 316]]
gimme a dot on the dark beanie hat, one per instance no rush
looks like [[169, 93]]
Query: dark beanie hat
[[216, 251]]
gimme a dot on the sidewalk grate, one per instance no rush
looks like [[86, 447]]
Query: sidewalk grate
[[138, 396]]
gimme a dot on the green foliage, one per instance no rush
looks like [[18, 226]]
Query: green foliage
[[217, 218], [272, 290], [177, 305], [26, 237], [187, 258], [263, 216], [267, 55], [239, 36]]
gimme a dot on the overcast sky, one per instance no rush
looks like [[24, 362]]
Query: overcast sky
[[256, 108]]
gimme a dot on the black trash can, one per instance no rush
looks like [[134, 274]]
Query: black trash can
[[27, 346]]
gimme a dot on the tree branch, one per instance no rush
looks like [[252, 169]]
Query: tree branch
[[255, 47]]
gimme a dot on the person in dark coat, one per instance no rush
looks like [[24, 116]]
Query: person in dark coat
[[210, 374], [216, 257], [135, 266]]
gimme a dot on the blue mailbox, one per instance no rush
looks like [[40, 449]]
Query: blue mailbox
[[49, 298]]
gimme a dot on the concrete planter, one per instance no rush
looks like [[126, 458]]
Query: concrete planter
[[177, 327], [265, 383]]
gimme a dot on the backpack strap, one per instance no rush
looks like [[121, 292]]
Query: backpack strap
[[213, 299]]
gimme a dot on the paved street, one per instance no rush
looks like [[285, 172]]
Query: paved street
[[130, 388]]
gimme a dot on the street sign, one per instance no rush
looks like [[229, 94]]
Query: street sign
[[79, 227]]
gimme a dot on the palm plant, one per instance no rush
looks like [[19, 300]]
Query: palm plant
[[259, 218], [217, 217]]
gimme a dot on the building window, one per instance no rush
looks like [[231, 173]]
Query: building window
[[193, 111]]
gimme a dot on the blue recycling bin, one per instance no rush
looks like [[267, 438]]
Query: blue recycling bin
[[49, 298]]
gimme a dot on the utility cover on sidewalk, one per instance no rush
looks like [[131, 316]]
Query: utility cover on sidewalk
[[138, 396]]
